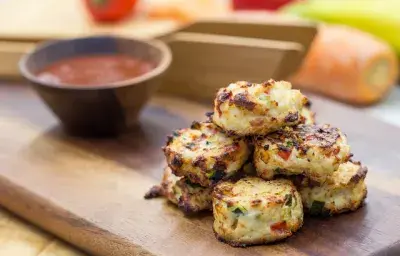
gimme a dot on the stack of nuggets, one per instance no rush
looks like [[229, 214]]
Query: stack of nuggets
[[259, 162]]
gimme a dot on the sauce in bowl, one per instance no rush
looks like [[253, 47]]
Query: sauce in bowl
[[93, 70]]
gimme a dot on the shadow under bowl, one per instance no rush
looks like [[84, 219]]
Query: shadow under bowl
[[102, 110]]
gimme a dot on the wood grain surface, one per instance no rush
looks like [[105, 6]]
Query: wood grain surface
[[22, 239], [90, 192]]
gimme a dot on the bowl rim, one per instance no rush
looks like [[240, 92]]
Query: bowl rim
[[165, 62]]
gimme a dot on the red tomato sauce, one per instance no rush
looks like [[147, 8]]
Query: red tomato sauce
[[95, 70]]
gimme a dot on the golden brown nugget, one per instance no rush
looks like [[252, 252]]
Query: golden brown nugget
[[315, 151], [189, 197], [254, 211], [344, 191], [204, 154], [245, 108]]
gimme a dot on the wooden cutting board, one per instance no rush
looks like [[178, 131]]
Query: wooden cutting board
[[90, 192]]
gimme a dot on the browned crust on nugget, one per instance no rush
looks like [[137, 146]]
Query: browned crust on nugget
[[227, 153], [154, 191], [323, 136], [189, 194], [360, 175], [195, 125], [268, 83], [241, 100], [176, 161], [292, 117], [221, 98], [200, 161], [184, 200], [300, 180]]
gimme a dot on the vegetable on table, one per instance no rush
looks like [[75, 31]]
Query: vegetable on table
[[110, 10], [378, 17], [349, 65]]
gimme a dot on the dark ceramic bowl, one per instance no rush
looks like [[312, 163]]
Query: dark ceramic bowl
[[97, 110]]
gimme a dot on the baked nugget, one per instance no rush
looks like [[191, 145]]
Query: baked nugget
[[344, 191], [315, 151], [254, 211], [188, 196], [245, 108], [204, 154]]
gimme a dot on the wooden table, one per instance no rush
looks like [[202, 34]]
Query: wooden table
[[19, 238]]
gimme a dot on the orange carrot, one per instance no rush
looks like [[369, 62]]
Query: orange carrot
[[348, 65]]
